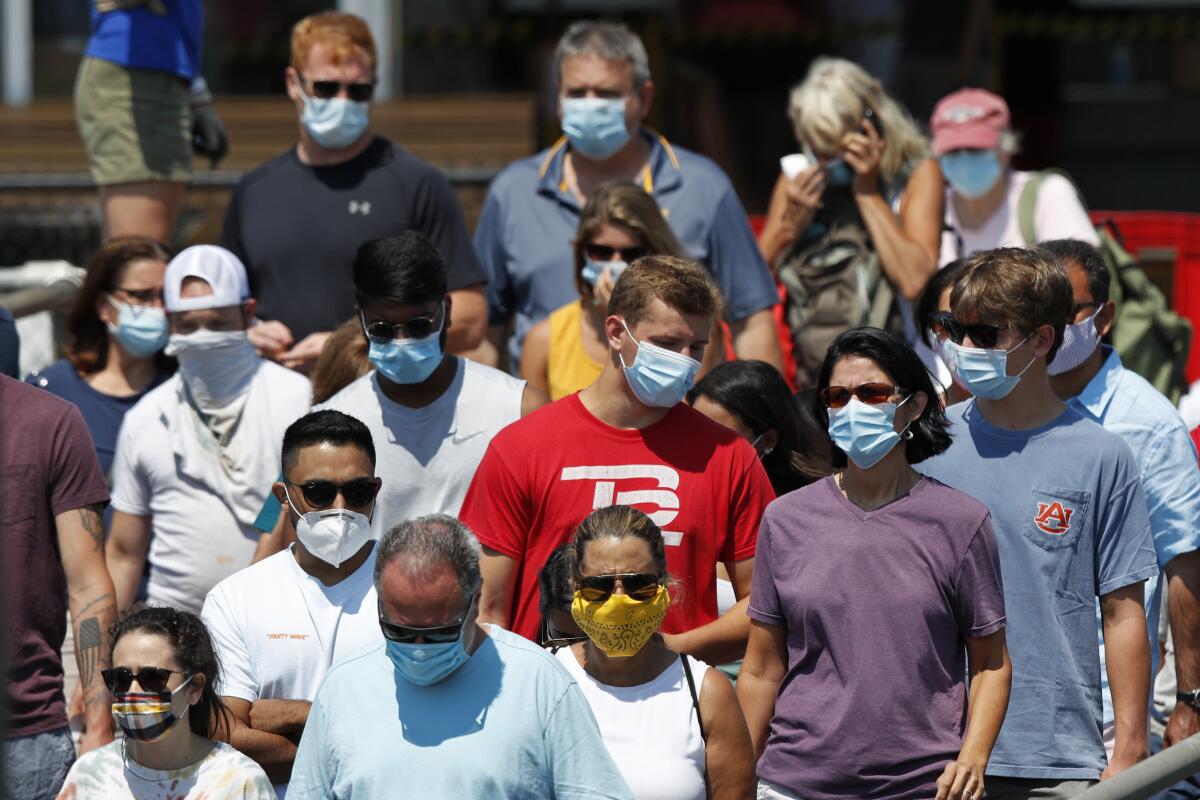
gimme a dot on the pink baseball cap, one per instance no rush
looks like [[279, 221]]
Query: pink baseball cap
[[968, 118]]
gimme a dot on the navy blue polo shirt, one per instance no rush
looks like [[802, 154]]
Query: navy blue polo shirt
[[531, 216]]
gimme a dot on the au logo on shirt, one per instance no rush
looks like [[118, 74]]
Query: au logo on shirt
[[1054, 518], [606, 493]]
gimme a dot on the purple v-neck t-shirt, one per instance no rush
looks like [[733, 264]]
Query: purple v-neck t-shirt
[[876, 606]]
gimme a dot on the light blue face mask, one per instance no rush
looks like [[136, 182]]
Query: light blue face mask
[[865, 433], [141, 330], [984, 372], [595, 125], [335, 123], [659, 377], [971, 172], [838, 172], [407, 361], [425, 664], [592, 270]]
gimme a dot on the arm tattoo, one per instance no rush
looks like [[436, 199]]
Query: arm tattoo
[[88, 641], [92, 523]]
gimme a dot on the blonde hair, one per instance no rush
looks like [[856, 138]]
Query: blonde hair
[[830, 102], [627, 206], [343, 32]]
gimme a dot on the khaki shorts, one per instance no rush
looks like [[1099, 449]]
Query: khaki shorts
[[136, 124]]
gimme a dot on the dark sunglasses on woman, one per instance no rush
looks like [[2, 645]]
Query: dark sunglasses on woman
[[638, 585], [872, 394], [151, 679]]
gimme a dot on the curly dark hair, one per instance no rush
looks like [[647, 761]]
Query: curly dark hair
[[194, 650], [930, 431]]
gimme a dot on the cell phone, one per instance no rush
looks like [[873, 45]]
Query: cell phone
[[869, 114]]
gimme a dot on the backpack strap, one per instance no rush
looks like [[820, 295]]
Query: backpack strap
[[1027, 208], [691, 682]]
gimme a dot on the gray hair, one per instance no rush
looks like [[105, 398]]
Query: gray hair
[[609, 40], [423, 544]]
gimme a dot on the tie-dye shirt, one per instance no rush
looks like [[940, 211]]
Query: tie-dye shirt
[[223, 774]]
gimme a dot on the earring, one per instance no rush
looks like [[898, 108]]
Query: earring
[[907, 435], [769, 450]]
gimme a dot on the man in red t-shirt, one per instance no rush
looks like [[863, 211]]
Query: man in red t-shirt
[[628, 439]]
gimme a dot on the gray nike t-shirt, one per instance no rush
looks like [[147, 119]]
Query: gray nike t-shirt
[[1070, 520]]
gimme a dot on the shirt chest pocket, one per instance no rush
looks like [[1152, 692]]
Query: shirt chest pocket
[[1056, 516]]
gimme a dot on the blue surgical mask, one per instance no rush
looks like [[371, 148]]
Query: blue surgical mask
[[425, 664], [592, 270], [141, 330], [595, 125], [838, 172], [334, 123], [865, 433], [407, 361], [659, 377], [971, 172], [984, 372]]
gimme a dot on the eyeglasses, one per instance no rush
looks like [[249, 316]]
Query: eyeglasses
[[438, 634], [151, 679], [358, 92], [321, 494], [870, 393], [602, 252], [638, 585], [550, 637], [412, 328], [982, 334], [141, 297]]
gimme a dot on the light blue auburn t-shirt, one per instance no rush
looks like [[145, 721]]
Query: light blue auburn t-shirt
[[509, 723], [1070, 522]]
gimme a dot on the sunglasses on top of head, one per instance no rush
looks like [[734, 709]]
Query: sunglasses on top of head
[[321, 494], [602, 252], [872, 394], [638, 585], [151, 679], [326, 90], [437, 634]]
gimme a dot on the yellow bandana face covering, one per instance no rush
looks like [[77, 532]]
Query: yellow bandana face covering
[[621, 626]]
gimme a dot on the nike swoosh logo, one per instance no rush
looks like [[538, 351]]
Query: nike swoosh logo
[[457, 439]]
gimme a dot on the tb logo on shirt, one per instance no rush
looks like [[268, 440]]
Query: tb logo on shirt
[[663, 496]]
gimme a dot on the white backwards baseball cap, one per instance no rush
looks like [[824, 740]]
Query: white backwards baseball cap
[[216, 266]]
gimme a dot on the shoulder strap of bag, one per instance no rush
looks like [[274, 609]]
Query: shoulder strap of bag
[[1027, 208], [687, 673]]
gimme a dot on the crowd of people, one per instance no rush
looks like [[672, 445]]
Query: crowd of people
[[351, 505]]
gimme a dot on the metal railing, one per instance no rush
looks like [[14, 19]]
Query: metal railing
[[39, 286], [1151, 776]]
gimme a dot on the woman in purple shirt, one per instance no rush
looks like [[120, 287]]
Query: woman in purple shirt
[[875, 592]]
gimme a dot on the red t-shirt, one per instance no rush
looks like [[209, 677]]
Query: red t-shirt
[[48, 466], [698, 480]]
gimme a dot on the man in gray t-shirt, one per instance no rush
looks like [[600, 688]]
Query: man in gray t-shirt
[[1070, 522]]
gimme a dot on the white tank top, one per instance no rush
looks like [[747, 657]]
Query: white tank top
[[651, 731]]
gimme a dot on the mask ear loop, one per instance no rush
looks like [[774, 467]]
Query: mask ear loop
[[1031, 359], [905, 433]]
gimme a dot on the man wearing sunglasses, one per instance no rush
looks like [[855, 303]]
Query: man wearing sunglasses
[[279, 624], [1070, 520], [1091, 379], [297, 220], [628, 439], [445, 706], [192, 465], [529, 220]]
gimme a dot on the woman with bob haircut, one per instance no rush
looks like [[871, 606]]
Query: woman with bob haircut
[[875, 592], [670, 722], [163, 683]]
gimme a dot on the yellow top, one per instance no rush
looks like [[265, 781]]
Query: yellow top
[[569, 368]]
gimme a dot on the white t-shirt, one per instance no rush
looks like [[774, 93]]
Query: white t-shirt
[[196, 539], [427, 456], [106, 773], [277, 629], [651, 730], [1058, 214]]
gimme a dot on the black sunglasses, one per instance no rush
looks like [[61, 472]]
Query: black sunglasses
[[358, 92], [412, 328], [151, 679], [638, 585], [438, 634], [982, 334], [321, 494], [602, 252]]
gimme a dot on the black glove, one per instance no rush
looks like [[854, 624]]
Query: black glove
[[208, 134]]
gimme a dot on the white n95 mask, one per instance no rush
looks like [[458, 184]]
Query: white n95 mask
[[332, 535]]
